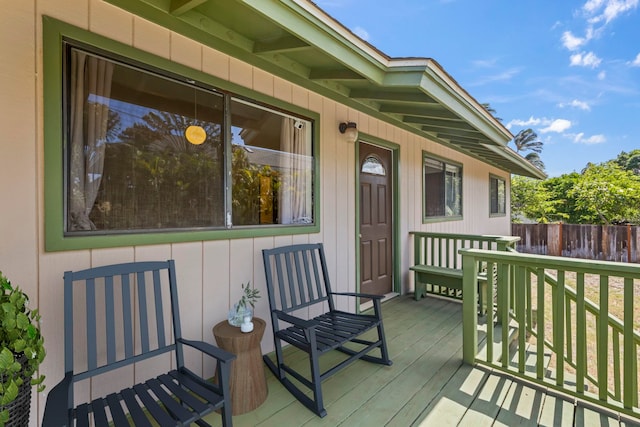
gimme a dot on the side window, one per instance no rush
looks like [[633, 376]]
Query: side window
[[442, 187], [148, 152], [497, 196]]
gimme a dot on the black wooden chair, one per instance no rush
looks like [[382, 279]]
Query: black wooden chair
[[297, 279], [123, 314]]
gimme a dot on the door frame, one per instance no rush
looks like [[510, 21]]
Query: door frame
[[396, 285]]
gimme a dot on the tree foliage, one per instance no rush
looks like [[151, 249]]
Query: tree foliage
[[605, 193], [629, 161], [491, 110], [531, 199], [527, 140]]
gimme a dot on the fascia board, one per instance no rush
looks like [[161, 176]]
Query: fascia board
[[321, 31], [514, 157], [458, 101]]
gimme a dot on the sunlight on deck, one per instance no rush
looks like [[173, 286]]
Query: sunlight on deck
[[428, 385]]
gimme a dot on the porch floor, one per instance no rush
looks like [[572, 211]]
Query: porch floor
[[427, 385]]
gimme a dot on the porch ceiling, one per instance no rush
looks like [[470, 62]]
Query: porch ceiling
[[297, 41]]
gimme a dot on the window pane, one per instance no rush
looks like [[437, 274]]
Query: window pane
[[130, 165], [373, 166], [453, 191], [442, 188], [498, 195], [272, 167], [434, 187]]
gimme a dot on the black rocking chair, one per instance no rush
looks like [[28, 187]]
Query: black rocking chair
[[121, 315], [297, 279]]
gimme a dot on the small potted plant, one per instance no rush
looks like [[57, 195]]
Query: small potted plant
[[21, 353], [241, 312]]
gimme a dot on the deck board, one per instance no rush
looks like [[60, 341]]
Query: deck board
[[428, 384]]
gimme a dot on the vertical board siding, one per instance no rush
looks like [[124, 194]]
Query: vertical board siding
[[209, 273]]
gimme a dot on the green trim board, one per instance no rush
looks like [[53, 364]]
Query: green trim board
[[297, 41], [397, 258], [55, 32]]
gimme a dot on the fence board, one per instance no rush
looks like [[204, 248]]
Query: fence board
[[600, 242]]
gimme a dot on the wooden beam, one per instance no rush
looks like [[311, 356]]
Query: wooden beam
[[456, 132], [179, 7], [439, 123], [281, 44], [385, 95], [334, 74], [410, 110], [454, 138]]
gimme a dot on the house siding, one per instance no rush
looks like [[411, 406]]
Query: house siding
[[209, 272]]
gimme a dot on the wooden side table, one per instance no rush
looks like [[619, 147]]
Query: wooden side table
[[248, 383]]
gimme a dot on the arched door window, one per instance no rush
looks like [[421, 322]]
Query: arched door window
[[373, 166]]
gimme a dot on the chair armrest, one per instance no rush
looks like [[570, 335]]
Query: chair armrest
[[56, 410], [296, 321], [210, 349], [357, 294]]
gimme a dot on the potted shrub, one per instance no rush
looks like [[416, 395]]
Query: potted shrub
[[241, 312], [21, 352]]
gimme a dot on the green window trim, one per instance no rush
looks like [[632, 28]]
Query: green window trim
[[496, 204], [426, 218], [55, 33]]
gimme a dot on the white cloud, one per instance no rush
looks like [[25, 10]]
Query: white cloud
[[602, 75], [592, 5], [529, 122], [557, 125], [636, 62], [550, 125], [585, 60], [361, 32], [592, 140], [582, 105], [503, 76], [597, 14], [572, 42], [484, 63], [607, 10]]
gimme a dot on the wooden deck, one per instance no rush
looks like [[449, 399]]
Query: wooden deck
[[428, 385]]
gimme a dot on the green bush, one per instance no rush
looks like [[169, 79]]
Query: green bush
[[19, 334]]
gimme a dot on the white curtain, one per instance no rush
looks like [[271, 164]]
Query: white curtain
[[296, 168], [90, 91]]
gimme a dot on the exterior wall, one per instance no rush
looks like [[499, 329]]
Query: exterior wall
[[210, 272]]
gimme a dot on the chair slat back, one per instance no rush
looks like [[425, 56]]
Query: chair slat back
[[119, 314], [296, 277]]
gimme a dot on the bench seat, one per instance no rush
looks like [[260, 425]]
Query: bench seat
[[449, 278]]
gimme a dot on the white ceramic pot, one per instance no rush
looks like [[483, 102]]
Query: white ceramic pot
[[246, 325]]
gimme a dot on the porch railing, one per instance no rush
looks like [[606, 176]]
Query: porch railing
[[565, 340], [441, 250]]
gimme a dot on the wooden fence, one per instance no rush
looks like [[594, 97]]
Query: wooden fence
[[600, 242]]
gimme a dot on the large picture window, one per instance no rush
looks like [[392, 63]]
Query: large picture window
[[497, 195], [442, 188], [145, 151]]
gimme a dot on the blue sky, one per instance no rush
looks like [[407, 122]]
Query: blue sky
[[570, 70]]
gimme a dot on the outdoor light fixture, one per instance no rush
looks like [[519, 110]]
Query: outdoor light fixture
[[350, 131]]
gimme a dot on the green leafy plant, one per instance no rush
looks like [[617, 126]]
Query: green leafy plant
[[250, 296], [19, 335]]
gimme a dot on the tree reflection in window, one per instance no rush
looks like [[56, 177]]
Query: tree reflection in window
[[130, 166]]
